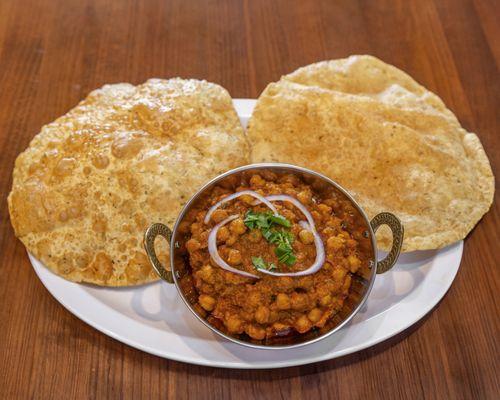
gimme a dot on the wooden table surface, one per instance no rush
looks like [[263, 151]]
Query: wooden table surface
[[53, 52]]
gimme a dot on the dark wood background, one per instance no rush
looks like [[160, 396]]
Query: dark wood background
[[53, 52]]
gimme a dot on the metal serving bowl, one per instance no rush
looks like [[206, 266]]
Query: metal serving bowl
[[361, 282]]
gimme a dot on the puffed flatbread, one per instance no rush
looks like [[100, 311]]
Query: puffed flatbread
[[91, 182], [393, 144]]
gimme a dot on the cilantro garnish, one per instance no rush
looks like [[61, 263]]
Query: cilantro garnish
[[283, 240], [280, 220], [259, 263], [255, 220], [264, 220]]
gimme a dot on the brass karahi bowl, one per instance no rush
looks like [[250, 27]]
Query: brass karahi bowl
[[361, 283]]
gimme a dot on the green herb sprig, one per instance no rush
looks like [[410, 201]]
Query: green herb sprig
[[282, 239], [264, 220], [259, 263]]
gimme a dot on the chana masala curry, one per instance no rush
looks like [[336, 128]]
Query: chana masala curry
[[269, 257]]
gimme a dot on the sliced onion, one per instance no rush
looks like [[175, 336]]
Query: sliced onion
[[304, 225], [214, 253], [318, 243], [296, 203], [261, 199]]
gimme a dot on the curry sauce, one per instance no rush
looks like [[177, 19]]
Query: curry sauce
[[273, 306]]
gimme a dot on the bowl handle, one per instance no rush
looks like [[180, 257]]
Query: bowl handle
[[149, 244], [397, 230]]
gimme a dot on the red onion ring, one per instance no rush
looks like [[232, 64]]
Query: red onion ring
[[318, 243], [261, 199], [304, 225], [296, 203], [214, 253]]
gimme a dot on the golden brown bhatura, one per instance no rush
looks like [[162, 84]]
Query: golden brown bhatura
[[91, 182], [392, 143]]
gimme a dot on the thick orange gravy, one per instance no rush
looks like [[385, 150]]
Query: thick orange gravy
[[271, 306]]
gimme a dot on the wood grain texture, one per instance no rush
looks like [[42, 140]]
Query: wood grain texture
[[53, 52]]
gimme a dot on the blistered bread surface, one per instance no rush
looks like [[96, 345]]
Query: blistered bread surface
[[91, 182]]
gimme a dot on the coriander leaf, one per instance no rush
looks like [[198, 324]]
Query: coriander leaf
[[273, 237], [258, 263], [251, 219], [288, 237], [280, 220], [268, 234], [282, 249], [263, 221], [283, 258], [290, 260], [266, 221]]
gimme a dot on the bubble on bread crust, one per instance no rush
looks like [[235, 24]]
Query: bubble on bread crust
[[100, 161]]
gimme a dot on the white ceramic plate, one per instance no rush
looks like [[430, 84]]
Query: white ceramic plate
[[154, 319]]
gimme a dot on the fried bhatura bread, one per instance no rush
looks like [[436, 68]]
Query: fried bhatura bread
[[393, 144], [91, 182]]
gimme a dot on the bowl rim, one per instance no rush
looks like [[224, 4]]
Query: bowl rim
[[291, 167]]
